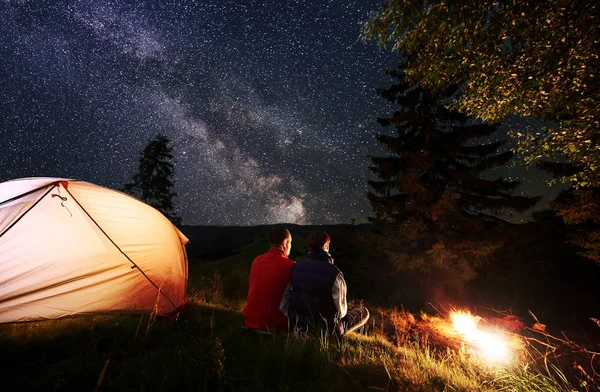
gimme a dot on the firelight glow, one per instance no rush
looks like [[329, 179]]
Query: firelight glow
[[492, 347]]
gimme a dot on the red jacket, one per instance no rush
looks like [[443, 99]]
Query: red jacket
[[269, 276]]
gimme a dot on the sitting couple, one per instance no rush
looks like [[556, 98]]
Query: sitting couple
[[310, 294]]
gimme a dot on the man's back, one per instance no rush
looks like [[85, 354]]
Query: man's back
[[269, 276]]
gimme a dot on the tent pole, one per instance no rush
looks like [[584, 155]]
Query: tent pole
[[27, 193], [117, 246], [29, 209]]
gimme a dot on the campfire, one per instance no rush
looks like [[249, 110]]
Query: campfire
[[491, 345], [504, 344], [506, 341]]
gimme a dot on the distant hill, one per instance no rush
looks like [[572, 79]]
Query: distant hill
[[218, 242]]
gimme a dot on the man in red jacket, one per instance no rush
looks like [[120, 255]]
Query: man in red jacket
[[269, 276]]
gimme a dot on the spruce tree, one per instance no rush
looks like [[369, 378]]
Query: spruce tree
[[430, 201], [153, 182]]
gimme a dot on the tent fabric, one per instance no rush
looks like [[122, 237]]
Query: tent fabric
[[69, 247]]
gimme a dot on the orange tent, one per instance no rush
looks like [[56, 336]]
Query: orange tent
[[69, 247]]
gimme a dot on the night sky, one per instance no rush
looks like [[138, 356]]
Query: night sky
[[270, 105]]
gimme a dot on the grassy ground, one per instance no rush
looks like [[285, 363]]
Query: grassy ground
[[206, 350]]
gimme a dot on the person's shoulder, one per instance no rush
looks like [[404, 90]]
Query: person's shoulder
[[335, 269], [262, 256], [273, 257]]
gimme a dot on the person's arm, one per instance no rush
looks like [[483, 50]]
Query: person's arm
[[285, 300], [339, 295]]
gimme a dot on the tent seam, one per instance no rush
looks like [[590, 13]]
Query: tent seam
[[120, 250], [30, 208], [27, 193]]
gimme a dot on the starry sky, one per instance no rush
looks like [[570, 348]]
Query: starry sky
[[270, 105]]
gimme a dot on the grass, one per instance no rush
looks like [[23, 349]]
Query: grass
[[206, 350]]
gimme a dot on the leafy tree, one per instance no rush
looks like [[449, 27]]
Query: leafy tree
[[153, 182], [429, 199], [529, 58]]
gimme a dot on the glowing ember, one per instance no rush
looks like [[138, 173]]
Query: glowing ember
[[493, 347], [464, 323]]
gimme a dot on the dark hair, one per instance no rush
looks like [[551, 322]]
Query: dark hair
[[277, 235], [317, 239]]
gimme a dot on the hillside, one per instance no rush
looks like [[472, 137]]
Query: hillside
[[206, 349]]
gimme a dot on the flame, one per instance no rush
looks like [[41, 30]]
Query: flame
[[464, 323], [491, 346]]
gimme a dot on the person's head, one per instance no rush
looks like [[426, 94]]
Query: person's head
[[280, 238], [318, 240]]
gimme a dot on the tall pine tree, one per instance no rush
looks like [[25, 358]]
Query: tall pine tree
[[153, 182], [430, 201]]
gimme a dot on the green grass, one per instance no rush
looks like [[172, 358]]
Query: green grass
[[207, 350]]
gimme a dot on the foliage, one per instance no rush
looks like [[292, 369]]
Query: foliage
[[580, 209], [535, 58], [430, 198], [153, 182]]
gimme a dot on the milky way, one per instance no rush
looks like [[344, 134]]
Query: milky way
[[270, 105]]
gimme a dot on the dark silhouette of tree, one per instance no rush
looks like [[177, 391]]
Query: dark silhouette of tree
[[430, 201], [153, 182], [528, 58], [580, 210]]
